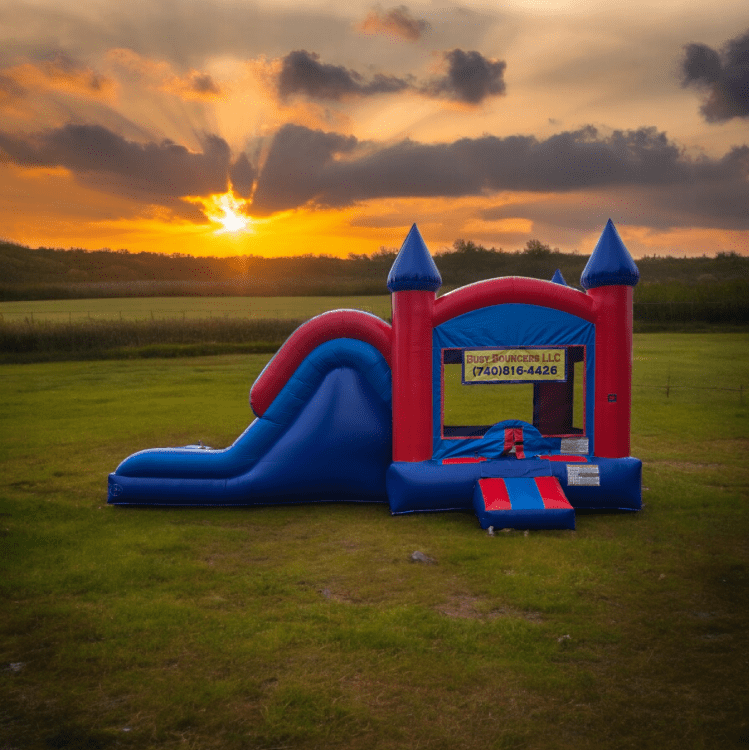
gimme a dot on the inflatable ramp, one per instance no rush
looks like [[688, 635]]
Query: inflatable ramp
[[522, 503]]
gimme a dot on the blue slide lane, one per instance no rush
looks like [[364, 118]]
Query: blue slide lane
[[327, 436]]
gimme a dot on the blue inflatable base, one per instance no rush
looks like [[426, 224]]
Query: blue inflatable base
[[596, 483]]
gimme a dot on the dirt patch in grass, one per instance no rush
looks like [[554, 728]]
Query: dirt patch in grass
[[337, 596], [470, 608]]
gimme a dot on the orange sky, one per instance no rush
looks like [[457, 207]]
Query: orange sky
[[305, 127]]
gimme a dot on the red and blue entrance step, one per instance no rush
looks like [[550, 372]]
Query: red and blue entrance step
[[522, 503]]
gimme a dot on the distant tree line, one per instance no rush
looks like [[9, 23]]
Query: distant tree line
[[46, 273]]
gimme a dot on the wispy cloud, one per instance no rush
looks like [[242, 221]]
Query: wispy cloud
[[160, 75], [60, 73], [395, 22]]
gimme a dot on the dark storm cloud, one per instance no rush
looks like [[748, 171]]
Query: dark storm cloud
[[242, 175], [395, 22], [723, 76], [470, 78], [565, 161], [708, 201], [303, 73], [327, 169], [299, 167], [158, 169]]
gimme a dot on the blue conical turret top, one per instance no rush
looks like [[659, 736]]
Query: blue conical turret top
[[610, 263], [557, 278], [414, 268]]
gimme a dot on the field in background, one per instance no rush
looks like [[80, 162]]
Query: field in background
[[181, 308], [309, 626], [150, 327], [114, 328]]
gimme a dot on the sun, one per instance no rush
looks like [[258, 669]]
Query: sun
[[228, 211]]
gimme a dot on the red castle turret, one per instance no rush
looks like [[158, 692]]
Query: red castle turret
[[609, 278], [413, 281]]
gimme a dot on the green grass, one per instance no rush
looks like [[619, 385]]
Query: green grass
[[120, 328], [150, 308], [129, 339], [309, 627]]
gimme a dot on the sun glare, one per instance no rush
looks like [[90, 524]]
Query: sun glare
[[227, 210]]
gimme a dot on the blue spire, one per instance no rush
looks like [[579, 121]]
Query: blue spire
[[557, 278], [610, 264], [414, 268]]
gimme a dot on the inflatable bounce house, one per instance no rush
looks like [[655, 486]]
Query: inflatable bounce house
[[510, 397]]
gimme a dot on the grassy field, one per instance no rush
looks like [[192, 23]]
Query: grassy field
[[664, 306], [148, 327], [309, 626], [152, 308]]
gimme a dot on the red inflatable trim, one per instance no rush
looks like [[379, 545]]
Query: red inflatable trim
[[336, 324], [412, 382], [566, 459], [513, 289]]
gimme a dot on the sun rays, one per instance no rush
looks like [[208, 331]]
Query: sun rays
[[228, 212]]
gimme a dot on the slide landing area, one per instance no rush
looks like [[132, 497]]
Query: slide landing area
[[327, 436]]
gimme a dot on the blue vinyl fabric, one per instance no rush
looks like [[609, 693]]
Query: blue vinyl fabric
[[430, 485], [524, 494], [507, 325], [619, 488], [326, 436], [610, 262], [514, 468], [414, 268]]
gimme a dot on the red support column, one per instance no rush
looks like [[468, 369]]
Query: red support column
[[412, 375], [613, 386]]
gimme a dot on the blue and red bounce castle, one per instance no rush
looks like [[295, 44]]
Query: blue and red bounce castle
[[353, 409]]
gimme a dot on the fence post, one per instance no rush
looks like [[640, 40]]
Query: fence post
[[668, 385]]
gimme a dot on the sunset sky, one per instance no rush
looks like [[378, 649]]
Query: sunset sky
[[224, 127]]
